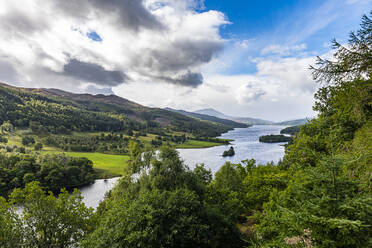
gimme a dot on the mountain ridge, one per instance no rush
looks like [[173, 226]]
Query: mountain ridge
[[246, 120], [250, 120], [58, 110], [227, 122]]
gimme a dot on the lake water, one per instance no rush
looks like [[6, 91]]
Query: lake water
[[93, 194], [246, 146]]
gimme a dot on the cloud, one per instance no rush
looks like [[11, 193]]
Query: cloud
[[127, 13], [92, 89], [293, 73], [248, 93], [94, 73], [281, 89], [188, 79], [167, 44], [282, 50], [7, 71]]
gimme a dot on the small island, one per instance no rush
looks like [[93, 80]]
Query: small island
[[272, 138], [229, 153]]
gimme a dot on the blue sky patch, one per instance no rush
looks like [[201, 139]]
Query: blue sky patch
[[94, 36]]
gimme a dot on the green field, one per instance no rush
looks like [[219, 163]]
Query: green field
[[197, 144], [109, 165]]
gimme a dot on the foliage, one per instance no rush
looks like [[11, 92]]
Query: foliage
[[353, 61], [272, 138], [104, 143], [229, 153], [328, 200], [291, 130], [10, 228], [3, 139], [46, 221], [27, 140], [322, 199], [38, 146], [164, 207], [261, 181], [52, 171], [6, 127], [44, 111]]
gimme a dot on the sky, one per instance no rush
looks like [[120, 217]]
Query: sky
[[242, 57]]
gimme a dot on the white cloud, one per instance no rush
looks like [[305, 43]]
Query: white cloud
[[249, 92], [281, 89], [151, 50], [283, 50], [168, 44]]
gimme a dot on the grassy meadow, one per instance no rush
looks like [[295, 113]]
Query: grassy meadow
[[107, 165]]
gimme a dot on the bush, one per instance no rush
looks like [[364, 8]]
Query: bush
[[38, 146], [229, 152], [274, 138], [3, 140], [27, 140]]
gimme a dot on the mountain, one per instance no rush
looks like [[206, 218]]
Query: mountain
[[296, 122], [211, 112], [58, 111], [246, 120], [230, 123]]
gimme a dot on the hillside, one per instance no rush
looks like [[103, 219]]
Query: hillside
[[58, 111], [246, 120], [230, 123], [292, 130], [296, 122]]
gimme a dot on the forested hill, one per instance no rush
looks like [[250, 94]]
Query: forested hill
[[58, 111], [226, 122], [293, 122]]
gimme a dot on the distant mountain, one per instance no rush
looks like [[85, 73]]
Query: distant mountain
[[211, 112], [296, 122], [251, 121], [230, 123], [246, 120]]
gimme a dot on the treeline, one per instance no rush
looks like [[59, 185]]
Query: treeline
[[111, 142], [291, 130], [274, 138], [54, 172]]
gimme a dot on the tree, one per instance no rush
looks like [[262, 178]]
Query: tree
[[38, 146], [48, 221], [229, 153], [3, 139], [353, 61], [323, 200], [162, 205], [7, 127], [27, 140], [10, 226]]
